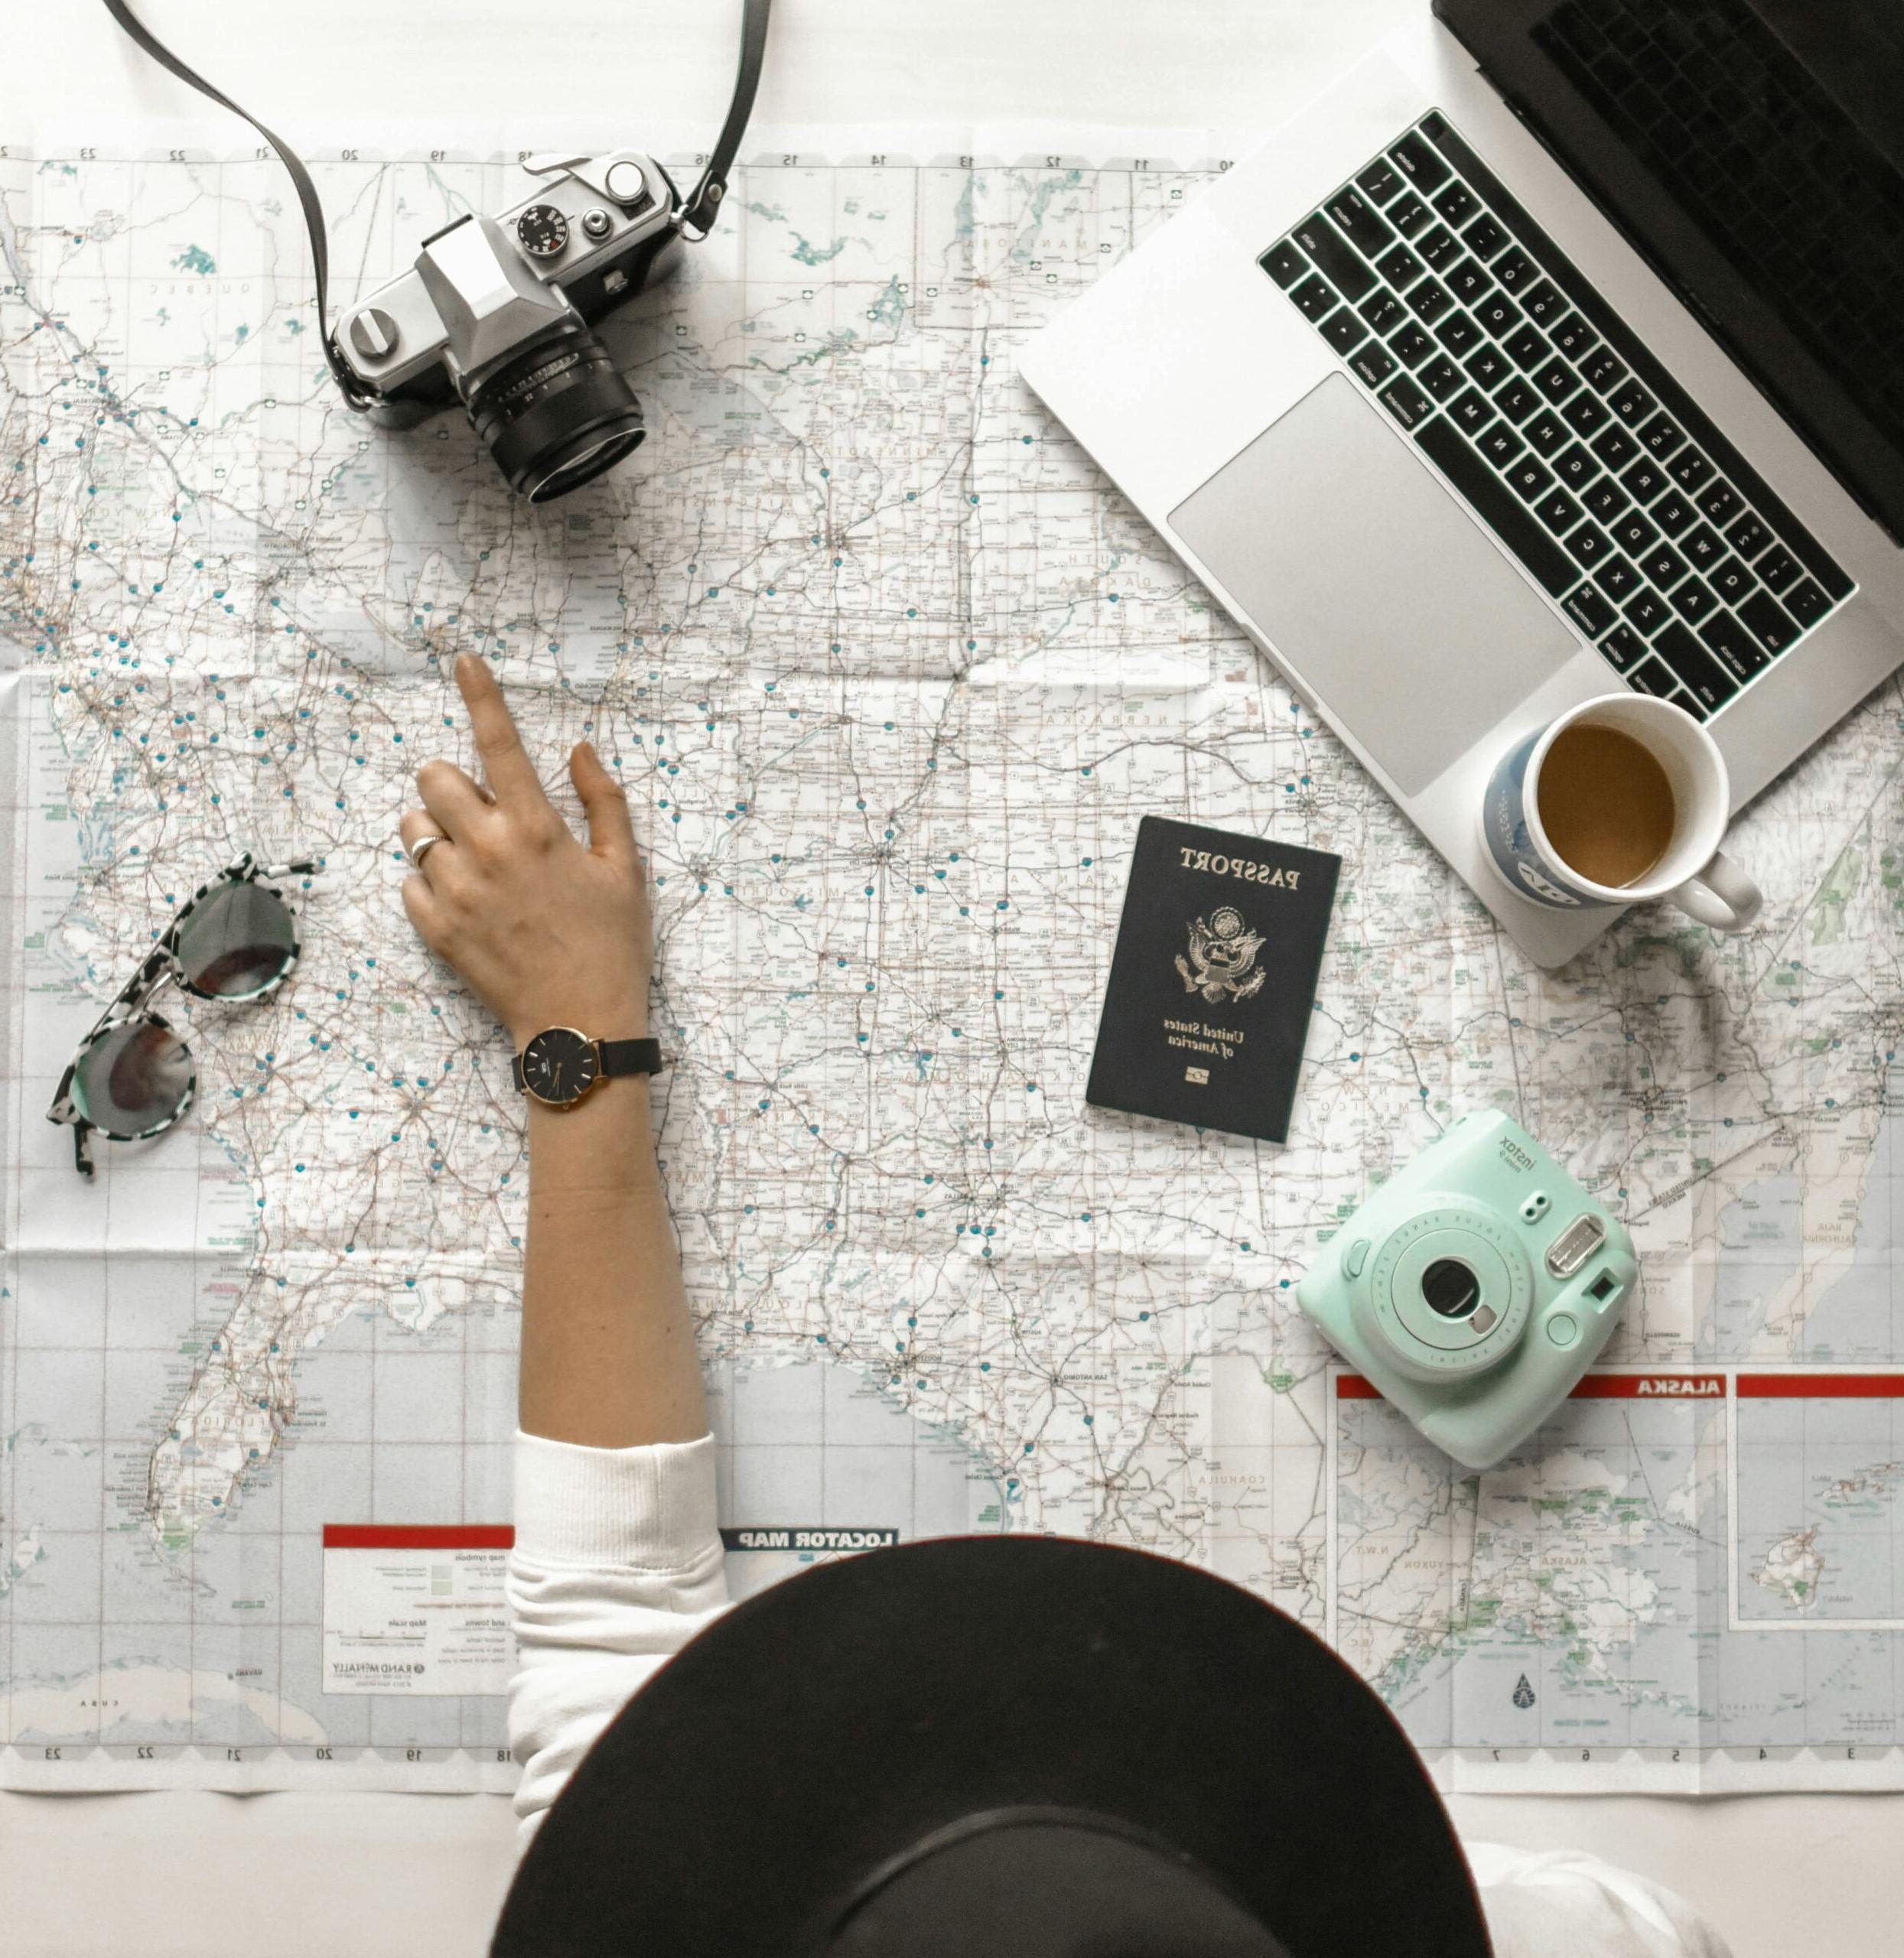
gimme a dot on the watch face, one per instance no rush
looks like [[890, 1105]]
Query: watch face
[[560, 1066], [543, 230]]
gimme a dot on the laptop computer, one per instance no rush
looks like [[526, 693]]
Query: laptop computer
[[1558, 348]]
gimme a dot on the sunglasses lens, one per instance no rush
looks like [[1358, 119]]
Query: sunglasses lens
[[236, 942], [135, 1078]]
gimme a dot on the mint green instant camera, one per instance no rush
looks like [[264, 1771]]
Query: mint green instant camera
[[1475, 1288]]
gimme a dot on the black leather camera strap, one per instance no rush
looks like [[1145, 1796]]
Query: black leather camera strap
[[697, 216], [699, 212], [353, 390]]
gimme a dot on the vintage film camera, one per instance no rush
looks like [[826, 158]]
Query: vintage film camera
[[498, 312], [1475, 1288]]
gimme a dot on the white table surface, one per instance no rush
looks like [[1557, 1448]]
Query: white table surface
[[291, 1875]]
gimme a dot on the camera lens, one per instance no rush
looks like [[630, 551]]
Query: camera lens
[[1451, 1288], [556, 416]]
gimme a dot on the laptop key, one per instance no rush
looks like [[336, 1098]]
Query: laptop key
[[1575, 467], [1767, 621], [1653, 676], [1419, 164], [1733, 647], [1732, 582], [1448, 450], [1406, 403], [1748, 536], [1313, 298], [1644, 481], [1664, 565], [1500, 444], [1547, 431], [1411, 346], [1703, 677], [1457, 332], [1778, 568], [1374, 364], [1517, 401], [1542, 303], [1614, 447], [1692, 599], [1441, 377], [1499, 314], [1631, 403], [1400, 267], [1623, 647], [1646, 611], [1457, 203], [1720, 502], [1661, 435], [1526, 348], [1380, 181], [1556, 380], [1343, 331], [1466, 281], [1574, 337], [1806, 602], [1615, 576], [1530, 477], [1471, 410], [1514, 269], [1558, 511], [1606, 499], [1439, 247], [1691, 470], [1487, 366], [1589, 611], [1605, 370], [1335, 257], [1407, 214], [1585, 415], [1634, 533], [1672, 513], [1284, 263], [1703, 547], [1484, 237], [1428, 299], [1588, 543], [1358, 223]]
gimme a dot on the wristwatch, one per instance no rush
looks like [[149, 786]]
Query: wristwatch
[[559, 1065]]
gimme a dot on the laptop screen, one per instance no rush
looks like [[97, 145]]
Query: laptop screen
[[1752, 153]]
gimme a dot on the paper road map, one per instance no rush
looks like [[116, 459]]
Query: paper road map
[[892, 675]]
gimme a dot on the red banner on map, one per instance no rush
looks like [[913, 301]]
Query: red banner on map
[[419, 1536], [1599, 1387], [1822, 1386]]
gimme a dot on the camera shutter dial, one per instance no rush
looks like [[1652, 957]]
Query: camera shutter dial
[[542, 231]]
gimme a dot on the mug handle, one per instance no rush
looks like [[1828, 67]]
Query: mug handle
[[1721, 896]]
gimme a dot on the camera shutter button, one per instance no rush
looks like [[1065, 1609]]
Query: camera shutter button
[[1563, 1328], [595, 221], [1355, 1257]]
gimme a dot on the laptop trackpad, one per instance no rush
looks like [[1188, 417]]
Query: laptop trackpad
[[1377, 589]]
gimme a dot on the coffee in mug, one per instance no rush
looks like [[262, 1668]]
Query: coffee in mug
[[1616, 802]]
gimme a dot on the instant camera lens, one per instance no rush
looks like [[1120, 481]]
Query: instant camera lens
[[1451, 1288], [556, 416]]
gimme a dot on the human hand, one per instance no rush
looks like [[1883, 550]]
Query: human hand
[[551, 933]]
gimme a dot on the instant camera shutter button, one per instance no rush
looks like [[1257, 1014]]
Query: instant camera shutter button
[[1563, 1328], [595, 221], [374, 333]]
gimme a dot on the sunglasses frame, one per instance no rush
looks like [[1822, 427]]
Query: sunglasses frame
[[160, 968]]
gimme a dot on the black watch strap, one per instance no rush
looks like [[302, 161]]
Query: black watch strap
[[626, 1057]]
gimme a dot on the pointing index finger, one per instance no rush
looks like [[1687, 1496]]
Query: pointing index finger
[[505, 760]]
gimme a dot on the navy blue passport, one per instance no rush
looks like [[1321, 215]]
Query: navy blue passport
[[1213, 979]]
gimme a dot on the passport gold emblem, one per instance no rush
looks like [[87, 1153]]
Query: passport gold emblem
[[1223, 953]]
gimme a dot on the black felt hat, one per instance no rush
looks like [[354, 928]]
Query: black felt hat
[[999, 1748]]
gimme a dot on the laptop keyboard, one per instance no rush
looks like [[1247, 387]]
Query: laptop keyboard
[[1597, 472]]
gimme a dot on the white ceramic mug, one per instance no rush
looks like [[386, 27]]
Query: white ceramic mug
[[1690, 873]]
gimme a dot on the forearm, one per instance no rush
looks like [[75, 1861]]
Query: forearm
[[608, 1352]]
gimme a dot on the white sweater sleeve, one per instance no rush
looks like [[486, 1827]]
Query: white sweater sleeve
[[617, 1564]]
